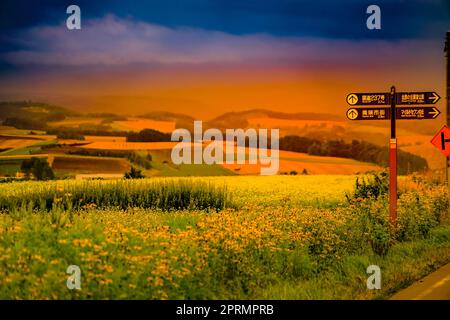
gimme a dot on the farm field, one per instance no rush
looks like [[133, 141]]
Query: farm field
[[82, 164], [289, 161], [236, 237], [105, 139], [138, 124], [13, 131], [8, 141], [408, 139], [123, 145], [420, 144], [11, 143], [75, 122]]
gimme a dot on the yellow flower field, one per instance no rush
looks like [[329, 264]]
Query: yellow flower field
[[279, 237]]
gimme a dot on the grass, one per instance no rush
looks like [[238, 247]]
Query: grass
[[404, 264], [281, 237], [164, 195], [9, 168]]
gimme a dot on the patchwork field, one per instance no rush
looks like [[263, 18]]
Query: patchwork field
[[21, 142], [289, 161], [408, 139]]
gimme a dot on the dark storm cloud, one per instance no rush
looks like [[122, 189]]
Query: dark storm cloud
[[320, 18], [25, 26]]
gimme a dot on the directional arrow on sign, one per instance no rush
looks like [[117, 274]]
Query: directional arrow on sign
[[435, 113], [352, 99], [352, 114], [435, 97]]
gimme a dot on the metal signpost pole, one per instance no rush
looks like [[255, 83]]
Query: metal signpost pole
[[447, 54], [393, 164]]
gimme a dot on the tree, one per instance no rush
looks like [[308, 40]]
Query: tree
[[315, 149], [39, 168]]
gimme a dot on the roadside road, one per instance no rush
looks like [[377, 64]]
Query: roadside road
[[435, 286]]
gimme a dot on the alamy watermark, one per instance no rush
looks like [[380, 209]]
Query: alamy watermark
[[374, 20], [73, 21], [374, 280], [74, 280], [209, 147]]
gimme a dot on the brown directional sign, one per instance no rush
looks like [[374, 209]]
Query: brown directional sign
[[362, 99], [368, 113], [384, 98], [417, 113], [402, 113], [417, 97]]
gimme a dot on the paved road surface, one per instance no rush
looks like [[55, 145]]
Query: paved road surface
[[435, 286]]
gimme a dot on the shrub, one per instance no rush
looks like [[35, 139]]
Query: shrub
[[374, 187], [134, 174], [70, 135]]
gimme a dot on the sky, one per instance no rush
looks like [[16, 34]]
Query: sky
[[207, 57]]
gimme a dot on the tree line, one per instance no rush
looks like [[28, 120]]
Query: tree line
[[357, 150], [148, 135]]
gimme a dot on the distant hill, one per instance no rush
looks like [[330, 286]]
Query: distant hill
[[31, 109], [181, 120], [240, 119], [31, 115]]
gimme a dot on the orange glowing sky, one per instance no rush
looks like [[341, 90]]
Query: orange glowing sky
[[211, 72]]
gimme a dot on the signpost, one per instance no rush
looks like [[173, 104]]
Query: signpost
[[377, 109]]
